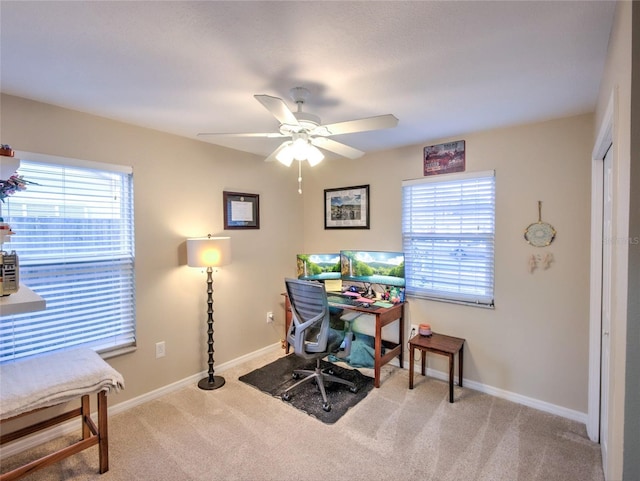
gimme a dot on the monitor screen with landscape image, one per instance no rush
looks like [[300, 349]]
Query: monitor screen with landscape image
[[318, 267], [373, 267]]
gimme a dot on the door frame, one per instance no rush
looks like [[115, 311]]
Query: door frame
[[602, 144]]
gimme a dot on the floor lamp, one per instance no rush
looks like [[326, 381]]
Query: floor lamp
[[209, 252]]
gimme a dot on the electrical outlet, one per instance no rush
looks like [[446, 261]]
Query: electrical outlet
[[269, 317], [414, 330], [160, 349]]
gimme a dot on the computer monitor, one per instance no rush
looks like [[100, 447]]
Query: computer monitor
[[318, 267], [373, 267]]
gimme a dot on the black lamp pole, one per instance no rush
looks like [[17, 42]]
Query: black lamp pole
[[210, 382]]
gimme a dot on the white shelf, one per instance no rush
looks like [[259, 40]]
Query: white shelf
[[25, 300]]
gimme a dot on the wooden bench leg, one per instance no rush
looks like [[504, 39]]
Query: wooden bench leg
[[85, 412], [450, 378], [103, 432], [411, 368], [460, 362]]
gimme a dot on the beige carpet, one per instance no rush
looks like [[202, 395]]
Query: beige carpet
[[239, 433]]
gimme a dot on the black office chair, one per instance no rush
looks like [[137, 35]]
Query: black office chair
[[311, 336]]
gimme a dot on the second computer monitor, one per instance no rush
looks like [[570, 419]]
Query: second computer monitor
[[374, 267]]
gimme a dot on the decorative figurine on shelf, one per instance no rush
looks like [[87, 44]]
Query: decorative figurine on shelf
[[6, 150], [5, 231], [9, 273], [10, 183]]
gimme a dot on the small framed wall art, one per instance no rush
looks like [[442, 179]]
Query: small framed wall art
[[444, 158], [346, 207], [241, 211]]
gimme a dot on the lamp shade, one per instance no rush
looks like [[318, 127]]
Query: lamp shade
[[208, 251]]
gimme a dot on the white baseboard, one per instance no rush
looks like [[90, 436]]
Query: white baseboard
[[509, 396], [72, 425]]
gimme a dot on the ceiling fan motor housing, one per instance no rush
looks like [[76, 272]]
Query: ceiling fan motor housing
[[308, 121]]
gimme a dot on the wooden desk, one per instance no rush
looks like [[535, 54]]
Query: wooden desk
[[384, 316], [439, 344]]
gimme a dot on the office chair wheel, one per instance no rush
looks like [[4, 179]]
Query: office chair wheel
[[286, 396], [326, 407], [330, 372], [353, 389], [295, 375]]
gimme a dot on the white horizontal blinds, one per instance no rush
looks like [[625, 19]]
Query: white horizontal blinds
[[448, 229], [75, 240]]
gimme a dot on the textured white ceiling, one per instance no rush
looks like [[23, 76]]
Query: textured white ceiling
[[443, 68]]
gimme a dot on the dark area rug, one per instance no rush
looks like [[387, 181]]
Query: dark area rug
[[275, 377]]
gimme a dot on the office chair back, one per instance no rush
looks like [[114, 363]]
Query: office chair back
[[309, 329], [311, 336]]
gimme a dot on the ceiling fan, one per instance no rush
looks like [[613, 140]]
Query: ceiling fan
[[305, 132]]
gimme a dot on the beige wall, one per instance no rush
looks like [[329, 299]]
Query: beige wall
[[617, 81], [178, 186], [535, 342]]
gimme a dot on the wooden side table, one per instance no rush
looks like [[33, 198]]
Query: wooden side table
[[439, 344]]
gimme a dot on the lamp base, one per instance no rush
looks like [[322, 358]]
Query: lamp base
[[218, 381]]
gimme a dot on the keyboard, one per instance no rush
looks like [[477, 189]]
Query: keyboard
[[340, 299], [347, 301]]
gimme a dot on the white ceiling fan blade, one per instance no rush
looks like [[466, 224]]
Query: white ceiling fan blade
[[273, 155], [337, 147], [278, 109], [270, 135], [362, 125]]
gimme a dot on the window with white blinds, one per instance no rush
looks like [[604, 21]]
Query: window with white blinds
[[448, 230], [75, 240]]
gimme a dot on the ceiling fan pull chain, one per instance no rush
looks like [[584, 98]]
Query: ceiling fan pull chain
[[299, 177]]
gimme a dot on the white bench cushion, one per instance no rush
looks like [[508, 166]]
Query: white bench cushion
[[52, 379]]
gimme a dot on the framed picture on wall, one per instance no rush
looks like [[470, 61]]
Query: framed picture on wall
[[444, 158], [346, 207], [241, 211]]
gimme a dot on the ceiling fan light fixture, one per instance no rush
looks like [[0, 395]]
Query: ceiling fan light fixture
[[285, 156], [300, 149], [314, 155]]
